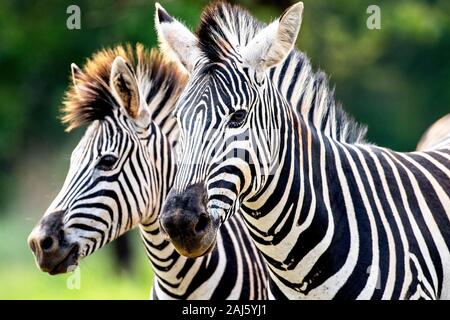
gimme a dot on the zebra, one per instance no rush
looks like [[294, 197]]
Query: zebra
[[120, 173], [333, 219], [437, 136]]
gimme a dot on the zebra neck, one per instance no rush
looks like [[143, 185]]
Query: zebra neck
[[161, 174], [294, 186], [160, 252], [294, 207], [309, 95], [321, 221]]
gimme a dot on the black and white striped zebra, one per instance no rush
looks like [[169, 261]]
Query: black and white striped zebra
[[333, 218], [120, 173]]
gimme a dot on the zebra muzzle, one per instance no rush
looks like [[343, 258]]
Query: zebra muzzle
[[53, 252], [186, 222]]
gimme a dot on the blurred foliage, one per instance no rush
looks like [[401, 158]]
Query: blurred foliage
[[395, 79]]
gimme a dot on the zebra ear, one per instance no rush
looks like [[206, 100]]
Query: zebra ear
[[76, 76], [125, 88], [176, 41], [272, 44]]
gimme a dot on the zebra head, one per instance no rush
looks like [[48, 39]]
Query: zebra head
[[115, 180], [226, 115]]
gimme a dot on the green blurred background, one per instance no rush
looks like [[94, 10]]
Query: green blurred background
[[395, 79]]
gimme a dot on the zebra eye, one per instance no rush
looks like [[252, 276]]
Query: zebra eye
[[107, 162], [237, 118]]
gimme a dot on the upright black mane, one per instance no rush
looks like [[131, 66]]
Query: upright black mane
[[225, 27]]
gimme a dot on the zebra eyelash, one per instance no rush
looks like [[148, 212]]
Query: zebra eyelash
[[107, 162], [237, 118]]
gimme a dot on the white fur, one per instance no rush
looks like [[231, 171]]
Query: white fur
[[176, 41], [272, 44], [76, 74]]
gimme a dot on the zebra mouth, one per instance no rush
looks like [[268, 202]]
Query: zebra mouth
[[190, 252], [68, 263], [210, 249]]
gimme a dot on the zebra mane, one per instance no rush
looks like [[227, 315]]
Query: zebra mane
[[223, 25], [92, 99]]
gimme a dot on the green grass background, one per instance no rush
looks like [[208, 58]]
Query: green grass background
[[99, 277]]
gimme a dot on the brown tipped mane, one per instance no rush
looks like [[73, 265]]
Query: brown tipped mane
[[92, 99]]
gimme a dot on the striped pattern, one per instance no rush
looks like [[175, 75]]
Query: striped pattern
[[309, 95], [102, 205], [333, 216]]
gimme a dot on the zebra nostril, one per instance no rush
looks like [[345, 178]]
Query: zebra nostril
[[47, 243], [202, 223]]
